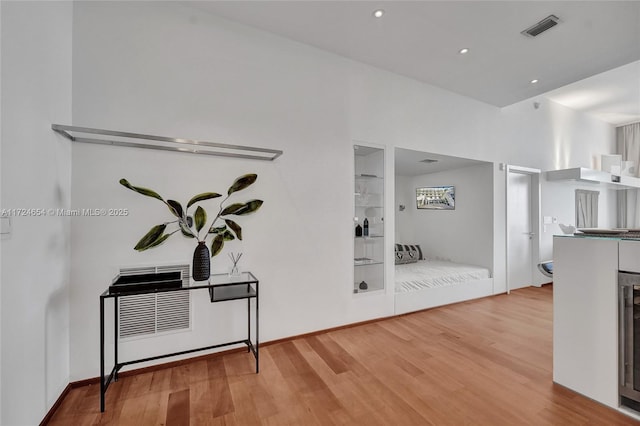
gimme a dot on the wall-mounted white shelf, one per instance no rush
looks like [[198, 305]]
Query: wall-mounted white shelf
[[582, 174], [163, 143]]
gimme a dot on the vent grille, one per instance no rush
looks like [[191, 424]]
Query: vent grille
[[137, 315], [172, 311], [150, 314], [542, 26]]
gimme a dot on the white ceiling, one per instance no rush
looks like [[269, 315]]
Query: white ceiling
[[409, 162], [612, 96], [421, 40]]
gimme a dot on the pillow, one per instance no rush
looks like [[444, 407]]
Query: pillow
[[403, 257], [408, 247], [406, 256]]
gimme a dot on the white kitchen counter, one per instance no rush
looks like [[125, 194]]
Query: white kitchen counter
[[585, 314]]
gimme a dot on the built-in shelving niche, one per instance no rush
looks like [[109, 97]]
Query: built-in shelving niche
[[368, 248]]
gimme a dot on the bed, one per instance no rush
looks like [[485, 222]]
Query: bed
[[427, 283]]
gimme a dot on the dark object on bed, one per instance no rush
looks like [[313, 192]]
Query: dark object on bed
[[406, 256], [546, 268], [408, 247]]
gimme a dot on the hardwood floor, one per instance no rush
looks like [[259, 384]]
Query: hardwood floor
[[483, 362]]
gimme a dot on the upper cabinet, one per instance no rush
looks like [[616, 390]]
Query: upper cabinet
[[368, 219], [594, 176]]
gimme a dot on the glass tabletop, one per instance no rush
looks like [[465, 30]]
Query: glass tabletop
[[222, 279], [186, 283]]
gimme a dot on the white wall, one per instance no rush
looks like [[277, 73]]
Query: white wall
[[36, 167], [556, 137], [237, 85], [559, 202], [1, 84], [0, 214], [225, 85], [166, 69], [463, 235]]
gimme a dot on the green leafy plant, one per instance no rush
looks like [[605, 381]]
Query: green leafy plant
[[192, 225]]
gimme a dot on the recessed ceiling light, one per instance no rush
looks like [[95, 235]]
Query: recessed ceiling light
[[534, 81], [463, 51], [378, 13]]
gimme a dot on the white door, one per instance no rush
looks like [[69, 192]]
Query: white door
[[520, 232]]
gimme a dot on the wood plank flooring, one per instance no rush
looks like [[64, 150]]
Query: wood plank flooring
[[483, 362]]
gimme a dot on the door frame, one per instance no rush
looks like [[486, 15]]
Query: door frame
[[535, 206]]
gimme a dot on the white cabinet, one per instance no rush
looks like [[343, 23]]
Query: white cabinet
[[368, 219], [585, 316], [629, 252]]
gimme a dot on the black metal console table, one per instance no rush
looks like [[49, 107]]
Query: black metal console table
[[222, 287]]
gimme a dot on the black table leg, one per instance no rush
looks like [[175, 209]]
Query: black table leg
[[102, 385], [115, 337], [257, 331]]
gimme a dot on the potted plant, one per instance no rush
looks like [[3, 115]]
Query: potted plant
[[194, 225]]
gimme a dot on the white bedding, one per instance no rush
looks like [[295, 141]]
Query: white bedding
[[435, 273]]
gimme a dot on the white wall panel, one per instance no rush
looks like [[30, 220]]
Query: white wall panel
[[36, 174]]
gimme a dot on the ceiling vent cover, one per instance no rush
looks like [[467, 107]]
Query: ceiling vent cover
[[542, 26]]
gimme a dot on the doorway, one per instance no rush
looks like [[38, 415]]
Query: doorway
[[522, 225]]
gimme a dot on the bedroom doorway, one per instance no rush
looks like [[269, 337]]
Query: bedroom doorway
[[523, 225]]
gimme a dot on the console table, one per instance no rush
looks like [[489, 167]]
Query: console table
[[221, 287]]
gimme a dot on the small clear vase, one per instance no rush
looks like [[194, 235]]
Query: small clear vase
[[234, 272]]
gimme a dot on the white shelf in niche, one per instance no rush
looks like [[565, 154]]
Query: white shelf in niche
[[365, 262], [373, 263], [368, 291], [367, 177]]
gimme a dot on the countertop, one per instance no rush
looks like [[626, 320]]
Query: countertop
[[633, 236]]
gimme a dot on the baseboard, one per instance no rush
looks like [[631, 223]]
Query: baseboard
[[326, 330], [55, 405]]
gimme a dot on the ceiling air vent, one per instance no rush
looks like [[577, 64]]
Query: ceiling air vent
[[542, 26], [428, 161]]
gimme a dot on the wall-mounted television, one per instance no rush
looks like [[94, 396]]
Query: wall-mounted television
[[436, 198]]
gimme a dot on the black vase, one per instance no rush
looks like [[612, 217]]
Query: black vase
[[201, 266]]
